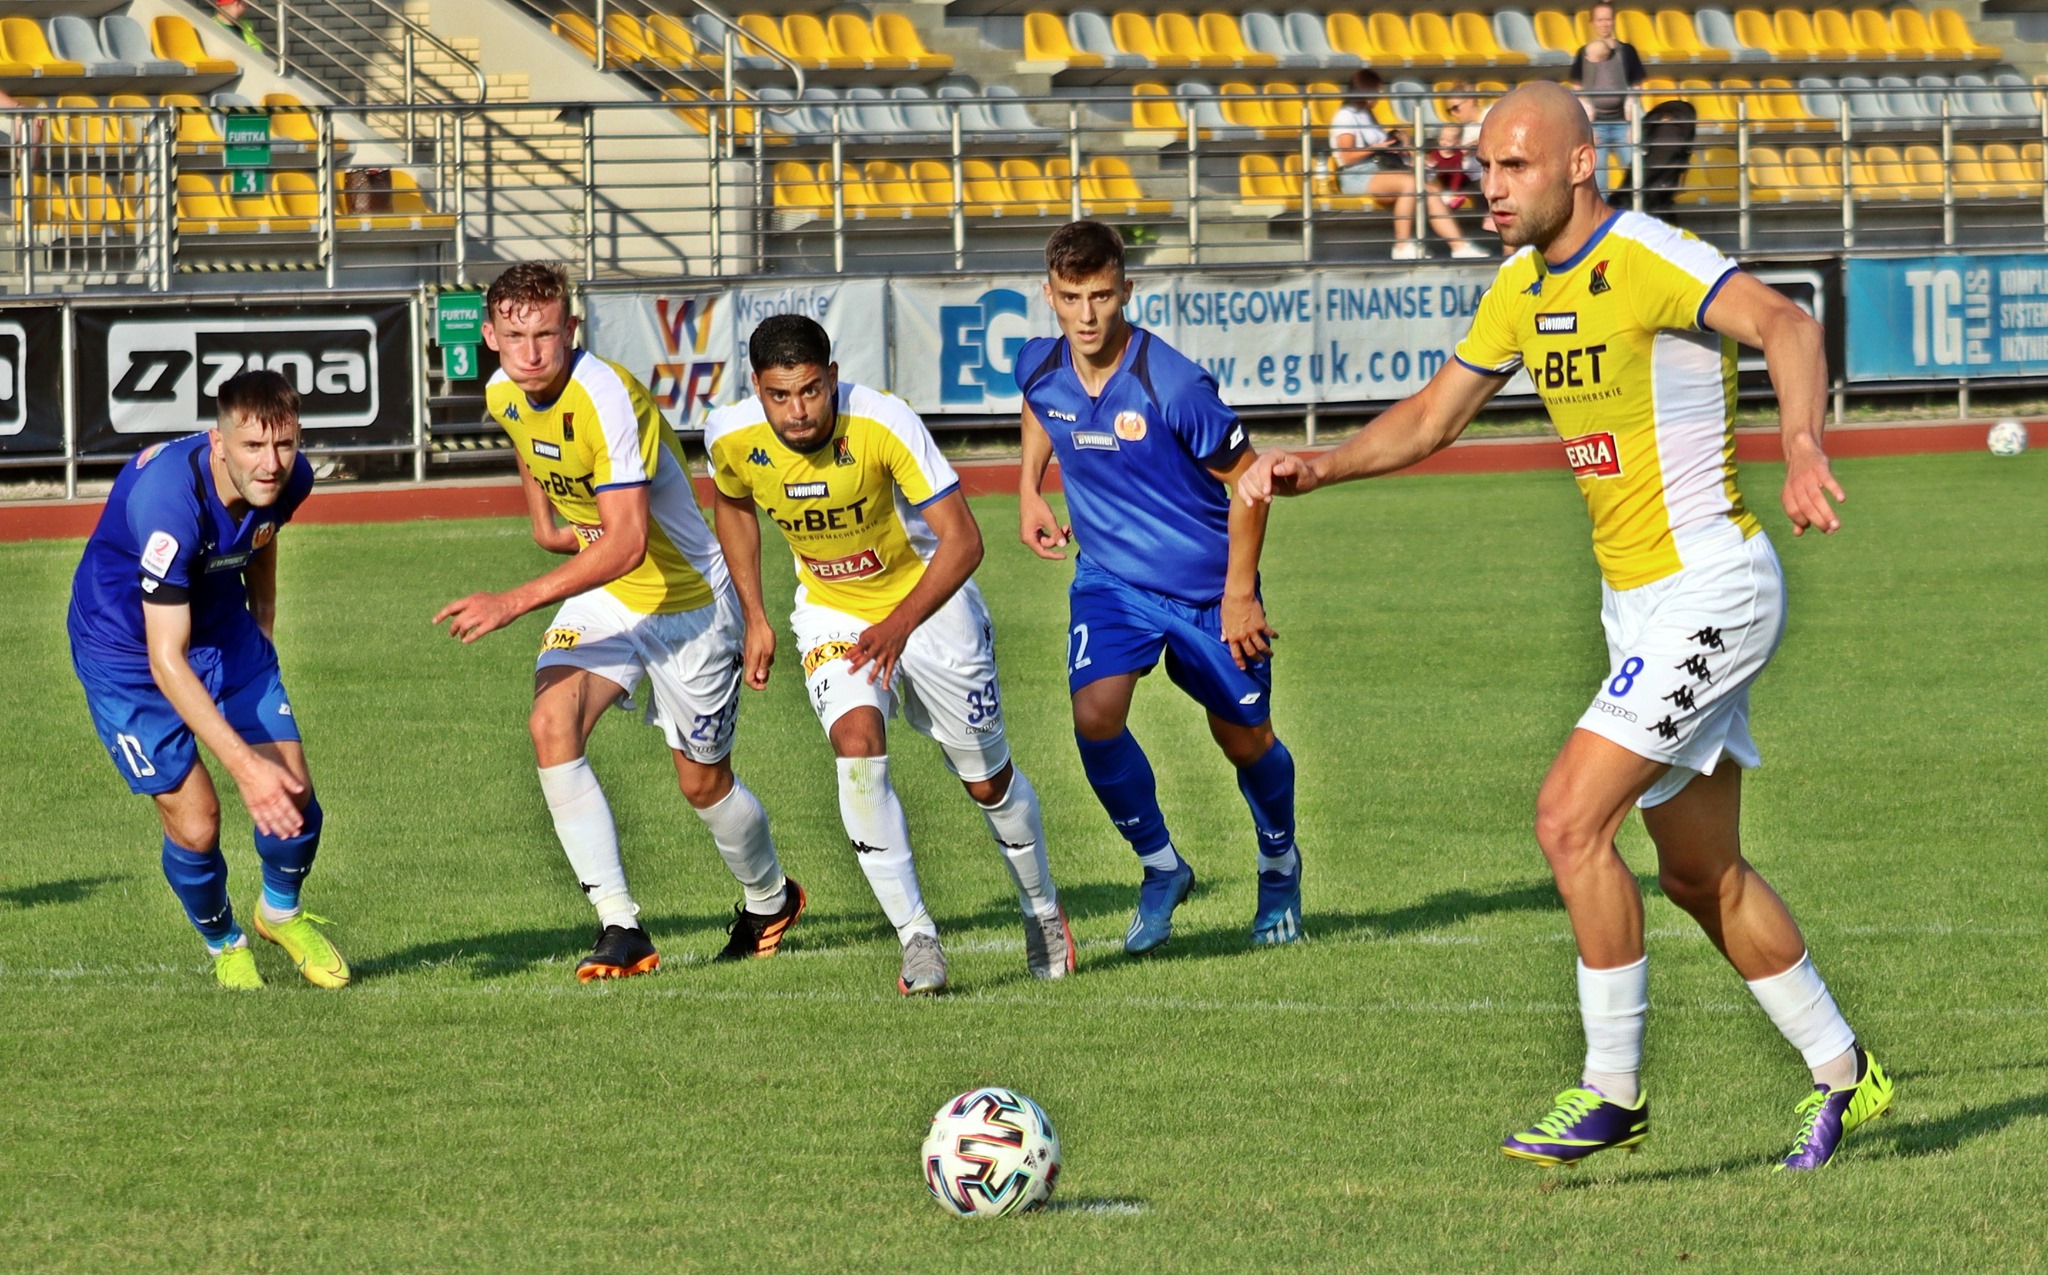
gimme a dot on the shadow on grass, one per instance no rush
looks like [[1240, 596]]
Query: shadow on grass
[[70, 890], [1929, 1137]]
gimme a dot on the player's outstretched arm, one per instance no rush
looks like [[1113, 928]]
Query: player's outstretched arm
[[953, 562], [738, 528], [1418, 426], [1041, 531], [1795, 350], [1245, 629], [619, 547], [547, 533], [267, 788]]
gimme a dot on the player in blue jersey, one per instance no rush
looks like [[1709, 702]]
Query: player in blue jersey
[[1168, 564], [170, 622]]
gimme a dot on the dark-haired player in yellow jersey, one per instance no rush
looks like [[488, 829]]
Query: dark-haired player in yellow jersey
[[1628, 328]]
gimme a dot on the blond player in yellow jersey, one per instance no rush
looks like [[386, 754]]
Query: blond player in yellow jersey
[[886, 611], [1628, 328], [644, 594]]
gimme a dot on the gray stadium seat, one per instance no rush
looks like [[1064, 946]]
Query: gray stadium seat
[[1868, 107], [73, 39], [125, 40], [1089, 32], [1717, 30], [1817, 95], [1012, 116], [711, 34], [1407, 94], [1982, 103], [1203, 110], [2018, 91], [1264, 34], [784, 114], [1513, 30], [1909, 107], [1305, 32], [872, 115], [975, 116], [920, 113], [822, 101]]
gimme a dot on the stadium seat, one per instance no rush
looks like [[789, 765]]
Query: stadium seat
[[83, 135], [1347, 34], [1264, 33], [1222, 36], [1178, 35], [1769, 180], [872, 115], [1908, 105], [763, 36], [73, 39], [1516, 32], [854, 38], [1325, 99], [2010, 166], [1010, 113], [1951, 32], [1244, 106], [883, 191], [1874, 35], [1308, 33], [197, 133], [804, 38], [2022, 99], [125, 41], [97, 210], [1135, 36], [1390, 38], [1473, 35], [1832, 30], [1675, 28], [1890, 176], [1797, 37], [1717, 30], [1717, 110], [203, 210], [1111, 189], [578, 30], [269, 214], [626, 41], [1711, 178], [1784, 109], [713, 36], [1045, 40], [1868, 107], [1754, 29], [673, 44], [1639, 29], [985, 189], [1199, 101], [1287, 110], [27, 47], [1153, 110], [796, 188], [1974, 180], [1034, 194], [1090, 33], [1260, 182], [898, 39], [1817, 95], [1430, 33], [1818, 173], [174, 38], [1925, 167], [1555, 32]]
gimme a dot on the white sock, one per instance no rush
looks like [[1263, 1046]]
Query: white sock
[[1613, 1005], [1804, 1011], [1020, 833], [739, 828], [1285, 864], [1165, 860], [583, 820], [874, 821]]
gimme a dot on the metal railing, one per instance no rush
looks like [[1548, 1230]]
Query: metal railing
[[332, 46], [147, 198]]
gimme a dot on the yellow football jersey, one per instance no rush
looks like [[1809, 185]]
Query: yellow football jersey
[[1642, 394], [850, 510], [605, 432]]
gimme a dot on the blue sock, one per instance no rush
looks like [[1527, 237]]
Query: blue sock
[[286, 860], [1268, 788], [1123, 782], [200, 880]]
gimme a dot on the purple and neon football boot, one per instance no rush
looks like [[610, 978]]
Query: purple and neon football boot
[[1584, 1121], [1829, 1115]]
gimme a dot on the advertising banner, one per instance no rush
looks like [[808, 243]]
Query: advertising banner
[[1959, 315], [32, 381], [690, 347], [145, 372]]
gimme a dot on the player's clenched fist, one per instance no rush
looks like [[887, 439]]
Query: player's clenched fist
[[760, 654], [1276, 473]]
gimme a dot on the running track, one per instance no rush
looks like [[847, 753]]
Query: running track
[[501, 497]]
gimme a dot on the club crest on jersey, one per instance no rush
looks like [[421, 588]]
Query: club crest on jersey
[[759, 457], [842, 451], [568, 427], [854, 566], [1557, 324], [542, 447], [805, 491], [1593, 456], [1095, 439], [822, 654], [1130, 426], [262, 537], [561, 639], [1598, 284]]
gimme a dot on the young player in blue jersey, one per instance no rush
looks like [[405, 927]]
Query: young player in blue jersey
[[1168, 563], [170, 623]]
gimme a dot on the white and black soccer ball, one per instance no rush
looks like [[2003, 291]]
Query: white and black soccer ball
[[2007, 438], [991, 1152]]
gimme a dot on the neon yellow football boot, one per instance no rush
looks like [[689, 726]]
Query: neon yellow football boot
[[319, 961], [234, 968]]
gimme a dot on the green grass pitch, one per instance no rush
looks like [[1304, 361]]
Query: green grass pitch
[[1334, 1106]]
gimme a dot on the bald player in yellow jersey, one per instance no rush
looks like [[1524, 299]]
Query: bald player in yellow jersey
[[886, 611], [1628, 329], [645, 594]]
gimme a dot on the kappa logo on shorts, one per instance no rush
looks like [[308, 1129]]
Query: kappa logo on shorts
[[853, 566], [1130, 426], [1683, 698], [561, 639], [806, 491], [824, 653], [1593, 456], [1666, 730], [158, 553], [1095, 439], [1557, 324], [542, 447]]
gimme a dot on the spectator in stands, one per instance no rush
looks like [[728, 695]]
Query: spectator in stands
[[28, 128], [1454, 163], [1372, 160], [1604, 71], [234, 15]]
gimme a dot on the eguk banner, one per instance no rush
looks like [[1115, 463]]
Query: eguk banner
[[1322, 336], [1921, 318]]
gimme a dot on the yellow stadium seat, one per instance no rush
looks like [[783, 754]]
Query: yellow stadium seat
[[1032, 194], [806, 39], [196, 129], [1818, 174], [1770, 182], [1658, 91], [1059, 174], [1474, 35], [1716, 109], [1675, 29], [1833, 30], [1753, 27], [1973, 177], [892, 192], [1045, 40], [1924, 166], [853, 38], [409, 208], [1876, 39], [762, 36], [625, 40], [797, 190], [1325, 100], [692, 111], [269, 216], [1244, 106], [1796, 36], [202, 210], [1261, 182], [1950, 31], [899, 39], [674, 44], [1786, 109], [175, 38], [1910, 30], [1431, 33], [97, 209], [1892, 176], [1637, 27], [577, 30], [1133, 34], [1111, 188], [987, 189], [1288, 111], [1391, 38], [1711, 177], [27, 45], [2010, 166], [1153, 110], [1554, 31], [1221, 36], [296, 193], [1178, 35], [1347, 34]]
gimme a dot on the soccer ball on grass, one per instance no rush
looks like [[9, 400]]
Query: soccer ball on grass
[[991, 1152], [2008, 438]]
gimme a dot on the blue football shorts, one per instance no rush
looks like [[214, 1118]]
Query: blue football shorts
[[1116, 627], [150, 744]]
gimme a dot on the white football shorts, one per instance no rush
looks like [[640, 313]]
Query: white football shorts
[[691, 660], [1681, 654], [946, 679]]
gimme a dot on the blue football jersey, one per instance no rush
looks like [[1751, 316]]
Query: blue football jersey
[[1137, 462], [166, 534]]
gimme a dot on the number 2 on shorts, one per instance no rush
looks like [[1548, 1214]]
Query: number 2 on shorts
[[1081, 659]]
